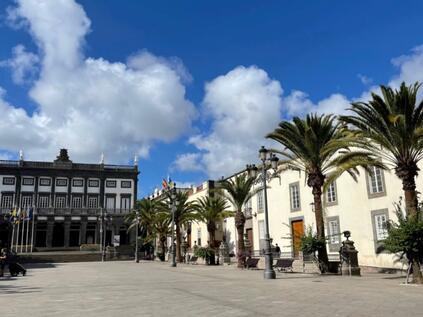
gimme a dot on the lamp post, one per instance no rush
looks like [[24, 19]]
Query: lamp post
[[173, 208], [104, 218], [266, 157], [137, 221], [101, 235]]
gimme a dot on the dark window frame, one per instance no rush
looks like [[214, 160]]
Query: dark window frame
[[91, 181], [77, 180], [61, 179], [43, 179], [125, 182], [9, 178], [32, 179], [108, 182]]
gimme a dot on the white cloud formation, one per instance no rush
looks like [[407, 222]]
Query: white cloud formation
[[188, 162], [23, 64], [364, 79], [92, 105], [245, 105]]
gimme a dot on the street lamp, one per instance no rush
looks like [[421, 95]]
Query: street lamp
[[266, 157], [137, 221], [104, 218], [173, 208]]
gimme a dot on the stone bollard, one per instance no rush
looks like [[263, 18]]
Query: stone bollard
[[349, 259]]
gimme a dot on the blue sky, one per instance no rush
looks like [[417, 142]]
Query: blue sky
[[88, 75]]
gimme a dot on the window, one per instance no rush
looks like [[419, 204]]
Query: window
[[61, 182], [93, 183], [77, 201], [261, 229], [44, 201], [92, 202], [26, 201], [294, 191], [77, 182], [125, 184], [260, 201], [60, 201], [380, 221], [331, 194], [199, 237], [111, 184], [8, 181], [45, 181], [333, 233], [110, 202], [28, 181], [376, 181], [125, 203], [248, 208], [7, 200]]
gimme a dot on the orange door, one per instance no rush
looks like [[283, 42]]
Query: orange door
[[297, 229]]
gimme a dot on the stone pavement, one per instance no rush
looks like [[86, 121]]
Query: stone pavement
[[155, 289]]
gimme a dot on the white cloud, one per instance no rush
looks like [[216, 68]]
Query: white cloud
[[91, 105], [298, 104], [245, 105], [23, 64], [188, 162], [364, 79]]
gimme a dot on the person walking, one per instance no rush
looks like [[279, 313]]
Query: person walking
[[3, 259]]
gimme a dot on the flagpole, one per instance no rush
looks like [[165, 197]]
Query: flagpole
[[13, 234], [27, 233], [17, 235], [33, 227], [22, 234]]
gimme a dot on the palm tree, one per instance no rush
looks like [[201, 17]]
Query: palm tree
[[393, 122], [185, 213], [162, 229], [320, 146], [212, 210], [238, 191], [146, 209]]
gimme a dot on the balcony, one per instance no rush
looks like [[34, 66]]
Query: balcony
[[50, 211], [248, 212]]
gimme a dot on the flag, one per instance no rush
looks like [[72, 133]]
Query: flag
[[164, 184], [13, 216], [171, 183], [23, 215]]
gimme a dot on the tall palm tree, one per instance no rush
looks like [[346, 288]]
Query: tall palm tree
[[393, 122], [147, 209], [320, 146], [185, 213], [212, 210], [238, 191], [162, 229]]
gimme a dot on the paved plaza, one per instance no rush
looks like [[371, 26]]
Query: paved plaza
[[155, 289]]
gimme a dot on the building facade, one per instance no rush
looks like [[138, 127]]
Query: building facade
[[362, 207], [62, 205]]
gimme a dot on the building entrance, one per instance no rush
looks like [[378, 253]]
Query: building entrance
[[58, 234], [297, 229]]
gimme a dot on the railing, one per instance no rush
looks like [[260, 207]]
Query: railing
[[49, 211], [69, 165], [248, 212], [282, 255]]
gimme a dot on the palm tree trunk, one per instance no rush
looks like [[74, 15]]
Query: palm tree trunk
[[410, 197], [320, 227], [239, 223], [178, 244]]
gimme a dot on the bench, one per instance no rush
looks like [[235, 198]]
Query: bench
[[251, 263], [193, 260], [284, 265]]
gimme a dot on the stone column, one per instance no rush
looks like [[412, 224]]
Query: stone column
[[83, 231], [50, 225], [67, 225]]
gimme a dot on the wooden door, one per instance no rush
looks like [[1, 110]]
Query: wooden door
[[297, 229]]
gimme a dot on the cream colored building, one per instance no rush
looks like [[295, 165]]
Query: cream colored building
[[361, 207]]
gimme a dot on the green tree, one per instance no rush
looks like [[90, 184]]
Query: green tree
[[147, 210], [392, 125], [238, 191], [185, 213], [320, 146], [161, 230], [212, 210]]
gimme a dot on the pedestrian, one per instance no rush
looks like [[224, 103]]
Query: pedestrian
[[277, 250], [3, 259]]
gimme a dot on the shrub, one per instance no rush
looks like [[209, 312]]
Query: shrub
[[310, 243]]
